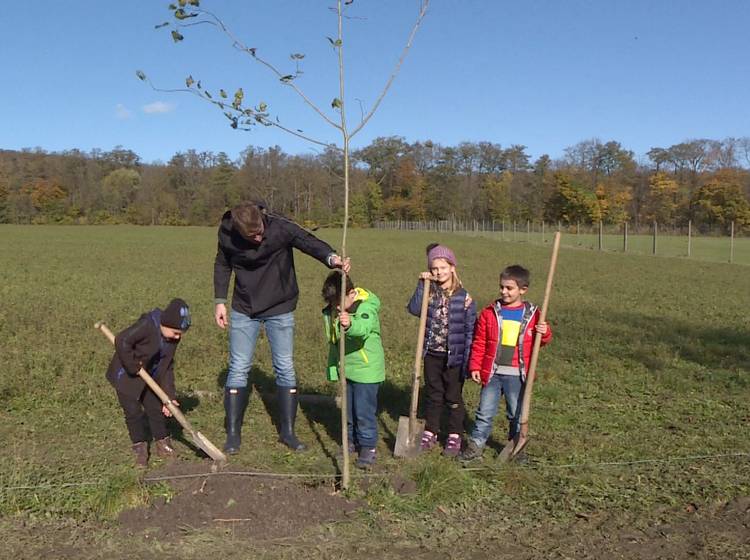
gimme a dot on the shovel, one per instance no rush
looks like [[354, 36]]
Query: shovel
[[198, 438], [514, 446], [409, 428]]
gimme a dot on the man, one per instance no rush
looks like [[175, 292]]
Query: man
[[257, 246]]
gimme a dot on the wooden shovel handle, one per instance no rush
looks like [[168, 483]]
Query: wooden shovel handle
[[418, 355], [153, 385], [531, 374]]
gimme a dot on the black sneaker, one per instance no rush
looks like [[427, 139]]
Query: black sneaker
[[472, 451]]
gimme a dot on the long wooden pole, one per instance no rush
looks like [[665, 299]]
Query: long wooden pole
[[523, 435], [418, 362]]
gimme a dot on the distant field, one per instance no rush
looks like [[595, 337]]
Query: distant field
[[706, 248], [649, 366]]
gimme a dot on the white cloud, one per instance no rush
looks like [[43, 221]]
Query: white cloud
[[122, 112], [158, 107]]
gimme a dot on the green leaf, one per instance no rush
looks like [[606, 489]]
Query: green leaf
[[262, 106], [189, 81], [336, 103], [161, 25], [223, 93], [208, 94], [331, 41], [287, 78], [172, 7], [198, 85], [238, 97], [141, 75], [182, 14], [297, 56], [182, 3], [176, 36], [195, 3]]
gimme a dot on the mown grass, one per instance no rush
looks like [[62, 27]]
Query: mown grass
[[650, 360]]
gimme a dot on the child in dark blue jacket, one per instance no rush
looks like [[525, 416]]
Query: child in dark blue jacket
[[448, 333]]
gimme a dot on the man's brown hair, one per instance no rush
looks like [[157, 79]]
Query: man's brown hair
[[247, 219]]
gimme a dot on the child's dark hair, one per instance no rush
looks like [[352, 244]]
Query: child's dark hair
[[331, 291], [518, 274]]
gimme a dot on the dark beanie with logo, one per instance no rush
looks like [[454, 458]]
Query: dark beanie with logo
[[176, 315]]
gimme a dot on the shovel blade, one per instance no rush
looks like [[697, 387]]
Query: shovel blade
[[407, 445], [505, 455], [209, 448]]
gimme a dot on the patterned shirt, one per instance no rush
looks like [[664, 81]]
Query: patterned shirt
[[507, 347], [437, 340]]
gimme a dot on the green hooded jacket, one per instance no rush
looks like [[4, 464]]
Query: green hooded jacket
[[365, 359]]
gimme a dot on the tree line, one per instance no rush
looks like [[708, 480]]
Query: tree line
[[705, 181]]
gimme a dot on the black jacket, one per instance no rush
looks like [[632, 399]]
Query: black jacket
[[265, 283], [141, 345]]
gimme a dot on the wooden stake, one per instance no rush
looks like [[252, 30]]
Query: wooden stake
[[523, 435]]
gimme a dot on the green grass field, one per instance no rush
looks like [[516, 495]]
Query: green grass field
[[642, 403], [703, 248]]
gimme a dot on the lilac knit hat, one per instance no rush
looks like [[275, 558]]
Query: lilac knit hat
[[440, 252]]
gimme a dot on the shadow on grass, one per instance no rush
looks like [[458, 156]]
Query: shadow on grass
[[722, 346]]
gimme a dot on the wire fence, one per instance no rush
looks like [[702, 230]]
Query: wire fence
[[716, 244]]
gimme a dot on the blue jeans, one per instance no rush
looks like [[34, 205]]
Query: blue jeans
[[362, 413], [489, 399], [243, 335]]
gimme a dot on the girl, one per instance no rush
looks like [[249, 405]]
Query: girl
[[450, 323]]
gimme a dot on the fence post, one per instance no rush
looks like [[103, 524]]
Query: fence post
[[625, 237], [653, 250], [731, 244], [601, 235], [528, 231], [690, 237]]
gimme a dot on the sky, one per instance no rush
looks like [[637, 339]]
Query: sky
[[546, 74]]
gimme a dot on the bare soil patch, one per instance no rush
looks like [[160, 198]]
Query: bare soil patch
[[245, 506]]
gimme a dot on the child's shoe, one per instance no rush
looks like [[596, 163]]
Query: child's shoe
[[521, 458], [352, 449], [165, 449], [140, 450], [366, 458], [472, 451], [452, 445], [429, 440]]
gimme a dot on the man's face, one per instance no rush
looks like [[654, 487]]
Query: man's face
[[256, 236]]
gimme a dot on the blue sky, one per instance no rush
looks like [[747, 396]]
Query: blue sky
[[546, 74]]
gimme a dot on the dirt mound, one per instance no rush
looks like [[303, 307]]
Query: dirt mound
[[246, 506]]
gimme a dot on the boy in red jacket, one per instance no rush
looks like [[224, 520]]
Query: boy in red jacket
[[500, 355]]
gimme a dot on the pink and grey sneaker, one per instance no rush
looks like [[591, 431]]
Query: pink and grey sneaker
[[452, 445], [429, 440]]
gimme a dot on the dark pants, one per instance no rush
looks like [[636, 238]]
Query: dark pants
[[137, 411], [363, 413], [443, 389]]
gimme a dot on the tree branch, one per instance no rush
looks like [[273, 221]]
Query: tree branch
[[397, 68], [228, 107], [237, 44]]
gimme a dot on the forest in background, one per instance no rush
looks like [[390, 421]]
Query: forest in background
[[704, 181]]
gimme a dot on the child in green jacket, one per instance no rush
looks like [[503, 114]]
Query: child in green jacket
[[365, 360]]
